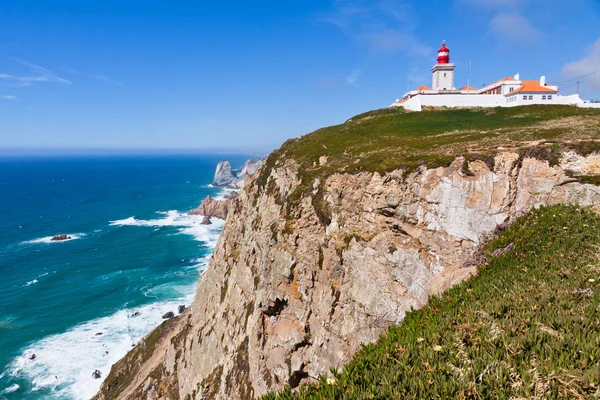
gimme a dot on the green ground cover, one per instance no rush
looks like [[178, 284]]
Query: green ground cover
[[387, 139], [527, 326]]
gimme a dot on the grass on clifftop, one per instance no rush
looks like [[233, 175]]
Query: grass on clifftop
[[528, 326], [387, 139]]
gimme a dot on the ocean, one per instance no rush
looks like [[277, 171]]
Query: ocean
[[134, 254]]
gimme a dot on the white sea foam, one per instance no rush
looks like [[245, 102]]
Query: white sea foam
[[31, 282], [224, 191], [64, 363], [48, 239], [188, 224], [11, 389]]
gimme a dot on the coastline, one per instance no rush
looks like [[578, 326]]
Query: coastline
[[65, 360]]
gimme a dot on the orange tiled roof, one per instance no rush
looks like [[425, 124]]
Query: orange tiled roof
[[468, 88], [400, 101], [532, 87], [423, 87]]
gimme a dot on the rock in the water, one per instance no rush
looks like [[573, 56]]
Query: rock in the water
[[181, 309], [32, 357], [213, 208], [168, 315], [224, 174], [206, 220], [60, 237], [135, 314], [97, 374], [99, 334]]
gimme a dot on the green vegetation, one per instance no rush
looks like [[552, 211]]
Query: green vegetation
[[384, 140], [528, 326]]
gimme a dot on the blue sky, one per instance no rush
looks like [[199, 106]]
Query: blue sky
[[247, 75]]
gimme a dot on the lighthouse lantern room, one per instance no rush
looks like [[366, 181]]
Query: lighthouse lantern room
[[443, 71]]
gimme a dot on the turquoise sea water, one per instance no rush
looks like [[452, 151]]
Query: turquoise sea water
[[134, 250]]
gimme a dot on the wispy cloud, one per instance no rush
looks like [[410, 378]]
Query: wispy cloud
[[508, 21], [382, 26], [8, 97], [40, 74], [98, 77], [514, 27], [586, 69], [352, 79]]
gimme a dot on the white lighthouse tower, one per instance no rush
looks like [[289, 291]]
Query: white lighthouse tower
[[443, 71]]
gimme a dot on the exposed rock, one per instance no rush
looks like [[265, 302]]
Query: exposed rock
[[99, 334], [236, 179], [168, 315], [231, 195], [97, 374], [61, 237], [286, 299], [32, 357], [224, 175], [181, 309], [250, 167], [206, 220], [213, 208]]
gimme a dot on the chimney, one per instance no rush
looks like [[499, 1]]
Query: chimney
[[543, 81], [517, 77]]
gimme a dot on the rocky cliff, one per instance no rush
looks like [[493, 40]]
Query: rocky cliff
[[236, 179], [215, 208], [308, 269]]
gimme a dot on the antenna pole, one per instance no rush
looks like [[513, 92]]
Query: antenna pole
[[469, 79], [577, 87]]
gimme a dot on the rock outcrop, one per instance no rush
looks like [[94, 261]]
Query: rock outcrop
[[250, 167], [236, 179], [224, 174], [291, 293], [214, 208], [61, 237]]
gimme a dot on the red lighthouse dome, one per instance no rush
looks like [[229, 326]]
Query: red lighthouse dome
[[443, 54]]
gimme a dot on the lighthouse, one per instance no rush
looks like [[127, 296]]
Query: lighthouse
[[443, 71]]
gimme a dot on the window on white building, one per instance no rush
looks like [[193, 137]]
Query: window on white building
[[544, 97], [530, 97], [524, 97], [549, 97]]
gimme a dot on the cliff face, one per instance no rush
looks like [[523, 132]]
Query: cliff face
[[235, 179], [291, 293]]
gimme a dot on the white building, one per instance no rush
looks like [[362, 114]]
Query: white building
[[507, 92]]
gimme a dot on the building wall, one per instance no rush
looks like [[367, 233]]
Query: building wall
[[479, 100], [454, 100], [589, 105], [443, 77], [539, 98], [502, 88]]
